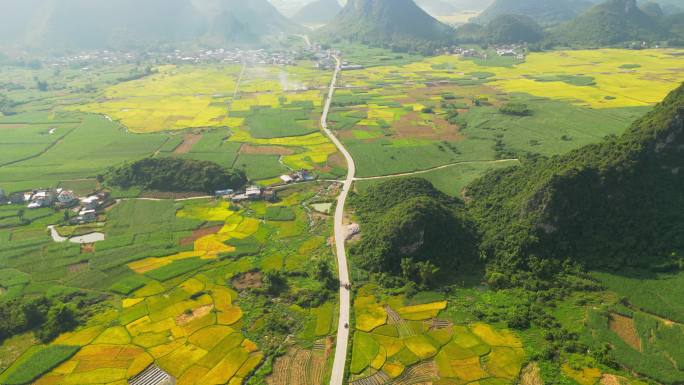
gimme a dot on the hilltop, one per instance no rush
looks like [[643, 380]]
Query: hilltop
[[545, 12], [611, 22], [614, 204], [393, 23], [236, 21], [317, 13]]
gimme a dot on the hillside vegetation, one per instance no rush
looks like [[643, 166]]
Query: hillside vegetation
[[399, 24], [173, 174], [611, 22], [410, 219], [611, 204]]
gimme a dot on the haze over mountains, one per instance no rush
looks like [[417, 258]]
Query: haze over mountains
[[395, 22], [59, 24]]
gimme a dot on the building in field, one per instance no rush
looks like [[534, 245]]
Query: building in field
[[224, 193], [66, 198], [253, 192]]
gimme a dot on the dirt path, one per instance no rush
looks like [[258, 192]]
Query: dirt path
[[436, 168]]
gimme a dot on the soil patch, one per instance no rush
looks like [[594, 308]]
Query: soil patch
[[199, 233], [531, 375], [78, 267], [87, 248], [188, 317], [249, 280], [624, 327], [266, 150], [337, 160], [189, 141], [611, 379]]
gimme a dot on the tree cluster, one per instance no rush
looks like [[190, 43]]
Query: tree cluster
[[174, 174]]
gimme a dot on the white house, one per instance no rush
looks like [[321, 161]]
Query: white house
[[66, 197], [253, 192], [91, 202], [286, 179]]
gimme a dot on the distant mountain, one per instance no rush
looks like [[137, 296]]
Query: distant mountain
[[508, 29], [652, 9], [544, 12], [437, 7], [617, 203], [611, 22], [504, 29], [398, 23], [239, 21], [319, 12], [89, 24]]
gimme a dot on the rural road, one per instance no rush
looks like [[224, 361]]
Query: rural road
[[437, 168], [337, 377]]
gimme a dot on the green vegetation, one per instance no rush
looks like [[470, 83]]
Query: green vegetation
[[279, 213], [609, 23], [401, 25], [408, 219], [171, 174], [591, 205], [176, 269], [36, 362], [288, 120], [507, 29]]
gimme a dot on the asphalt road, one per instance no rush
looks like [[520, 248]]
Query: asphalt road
[[337, 377]]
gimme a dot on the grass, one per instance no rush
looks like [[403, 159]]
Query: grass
[[657, 294], [128, 284], [261, 166], [266, 123], [279, 213], [176, 269], [35, 362]]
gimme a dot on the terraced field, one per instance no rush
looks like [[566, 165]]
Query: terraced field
[[398, 344]]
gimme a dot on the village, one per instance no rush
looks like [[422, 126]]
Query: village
[[85, 209], [517, 51]]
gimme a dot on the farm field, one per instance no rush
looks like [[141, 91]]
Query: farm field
[[268, 125], [177, 275], [401, 342], [426, 113]]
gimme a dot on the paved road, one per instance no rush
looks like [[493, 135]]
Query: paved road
[[337, 377]]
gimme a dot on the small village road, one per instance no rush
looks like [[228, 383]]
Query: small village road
[[342, 346]]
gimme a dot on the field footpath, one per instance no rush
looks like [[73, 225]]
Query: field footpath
[[436, 168], [342, 345]]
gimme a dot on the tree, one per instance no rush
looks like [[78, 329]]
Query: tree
[[275, 283], [323, 273], [426, 271], [60, 318], [41, 85], [407, 268]]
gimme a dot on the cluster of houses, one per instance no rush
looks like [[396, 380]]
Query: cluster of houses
[[86, 207], [251, 193], [298, 176], [515, 50]]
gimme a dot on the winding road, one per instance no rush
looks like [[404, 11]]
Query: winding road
[[337, 377]]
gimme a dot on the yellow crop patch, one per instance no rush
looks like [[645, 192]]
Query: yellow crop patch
[[115, 335], [496, 337], [369, 314]]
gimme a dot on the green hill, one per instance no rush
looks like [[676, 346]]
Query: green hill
[[545, 12], [318, 12], [409, 218], [392, 23], [613, 204], [507, 29], [609, 23]]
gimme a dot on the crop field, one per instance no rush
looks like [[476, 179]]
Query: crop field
[[172, 301], [267, 124], [414, 116], [395, 340]]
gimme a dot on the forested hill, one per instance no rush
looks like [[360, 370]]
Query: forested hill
[[617, 203], [611, 22], [392, 23], [545, 12]]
